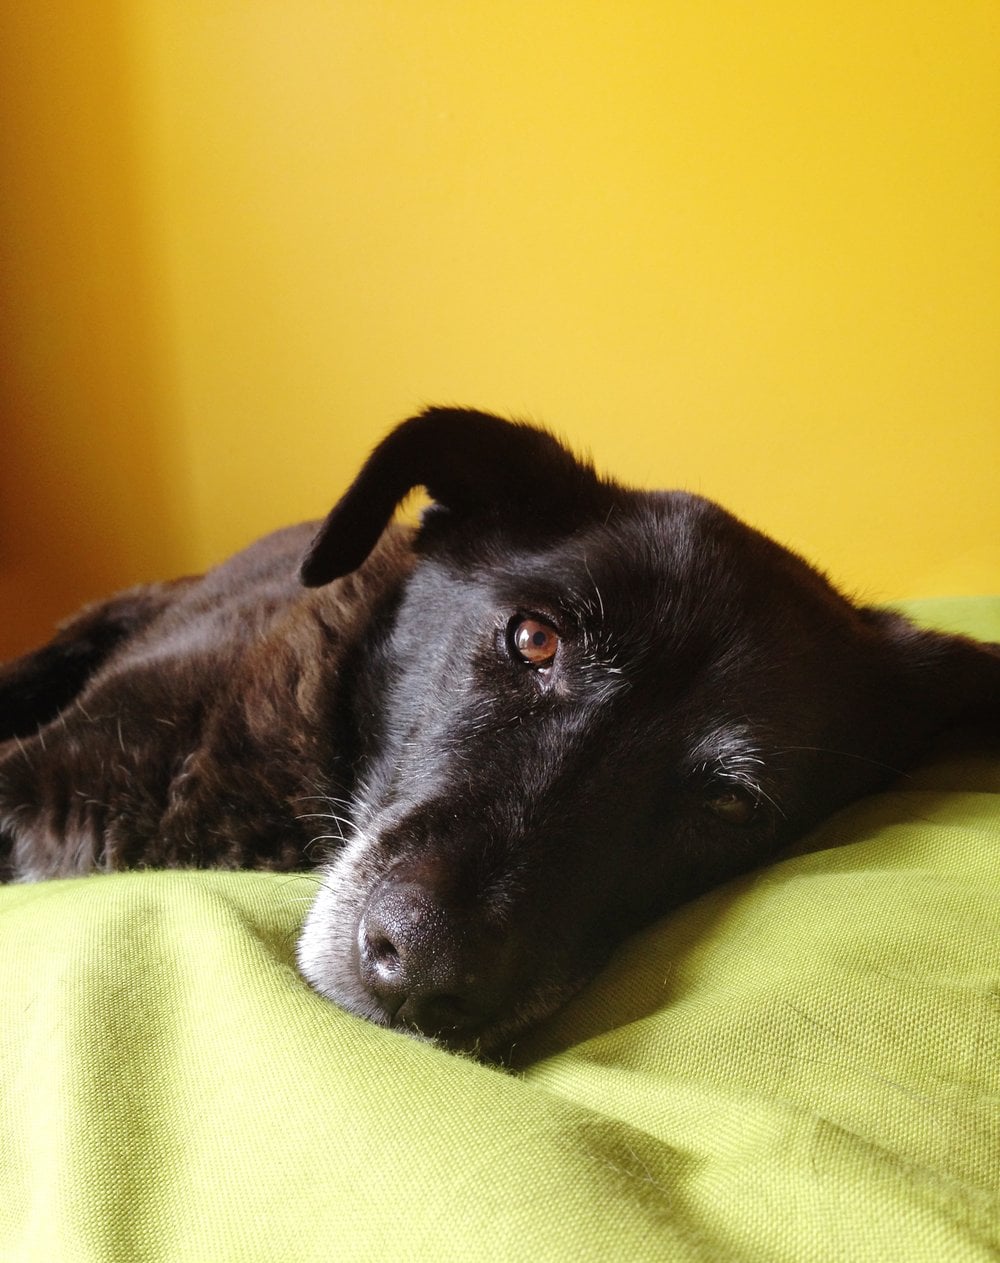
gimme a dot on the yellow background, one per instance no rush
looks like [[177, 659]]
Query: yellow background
[[750, 249]]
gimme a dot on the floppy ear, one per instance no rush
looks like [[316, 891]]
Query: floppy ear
[[942, 680], [473, 463]]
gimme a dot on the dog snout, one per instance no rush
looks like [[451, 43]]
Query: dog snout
[[428, 966]]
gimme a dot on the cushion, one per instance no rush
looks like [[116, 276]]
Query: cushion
[[801, 1065]]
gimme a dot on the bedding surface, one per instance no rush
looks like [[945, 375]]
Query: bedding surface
[[802, 1065]]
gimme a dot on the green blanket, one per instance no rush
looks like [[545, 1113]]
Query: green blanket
[[803, 1065]]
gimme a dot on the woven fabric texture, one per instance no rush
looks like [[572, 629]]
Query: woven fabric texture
[[803, 1065]]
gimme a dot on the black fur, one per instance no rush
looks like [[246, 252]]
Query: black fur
[[494, 825]]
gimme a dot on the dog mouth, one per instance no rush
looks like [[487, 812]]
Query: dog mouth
[[445, 1020], [403, 962], [442, 1021], [476, 1008], [424, 992]]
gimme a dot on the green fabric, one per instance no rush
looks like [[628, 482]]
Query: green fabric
[[804, 1065]]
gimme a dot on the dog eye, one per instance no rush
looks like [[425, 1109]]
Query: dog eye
[[732, 804], [534, 642]]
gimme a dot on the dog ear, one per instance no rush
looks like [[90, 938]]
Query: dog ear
[[939, 680], [474, 464]]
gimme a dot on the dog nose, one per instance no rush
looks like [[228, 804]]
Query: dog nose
[[425, 964]]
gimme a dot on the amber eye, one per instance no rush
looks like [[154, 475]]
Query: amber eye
[[533, 641], [732, 804]]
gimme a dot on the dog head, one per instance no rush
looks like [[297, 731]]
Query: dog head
[[589, 704]]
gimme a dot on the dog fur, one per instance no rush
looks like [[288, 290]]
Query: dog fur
[[537, 722]]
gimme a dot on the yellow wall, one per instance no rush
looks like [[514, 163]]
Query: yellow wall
[[751, 249]]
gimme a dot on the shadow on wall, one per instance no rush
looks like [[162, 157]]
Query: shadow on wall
[[84, 457]]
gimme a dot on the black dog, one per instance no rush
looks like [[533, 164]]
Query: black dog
[[553, 712]]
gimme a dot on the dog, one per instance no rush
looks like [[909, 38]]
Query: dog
[[525, 728]]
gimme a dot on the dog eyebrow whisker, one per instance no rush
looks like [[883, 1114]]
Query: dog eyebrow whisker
[[735, 756], [600, 599], [762, 793], [848, 754]]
